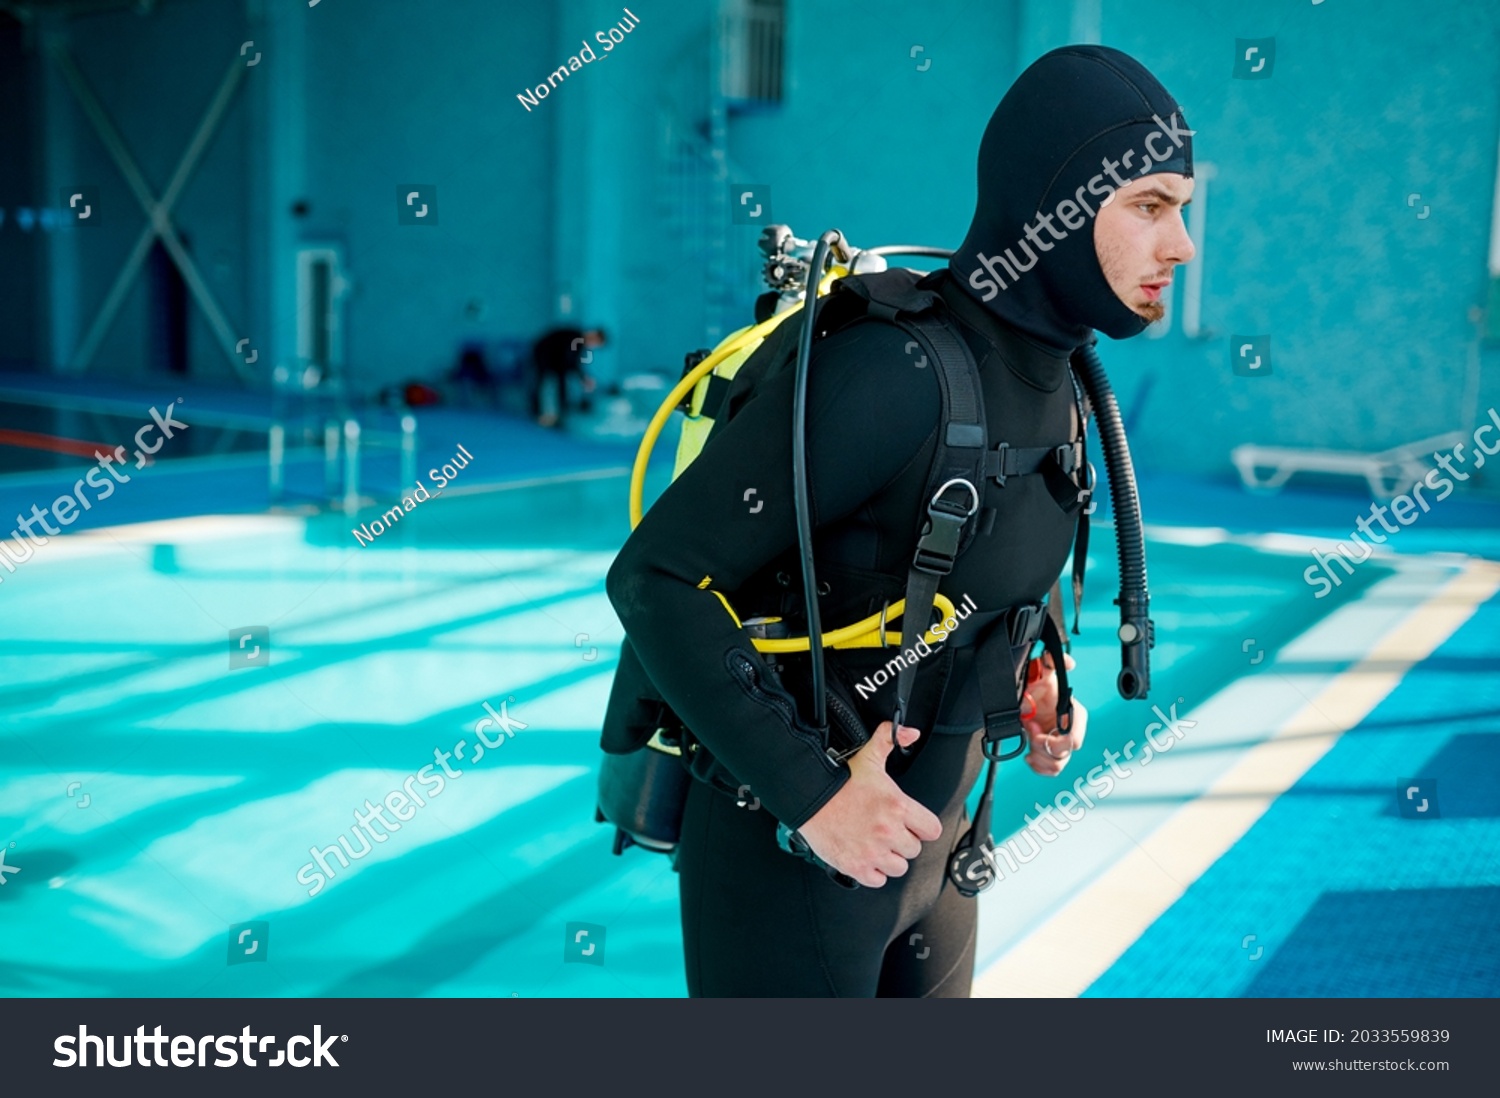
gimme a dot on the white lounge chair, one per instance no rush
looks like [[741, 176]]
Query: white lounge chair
[[1388, 472]]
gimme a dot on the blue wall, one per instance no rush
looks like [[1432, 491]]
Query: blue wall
[[401, 93], [563, 210], [1309, 237], [868, 140]]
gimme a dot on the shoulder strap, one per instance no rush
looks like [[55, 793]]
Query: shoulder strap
[[896, 297], [954, 482], [957, 472]]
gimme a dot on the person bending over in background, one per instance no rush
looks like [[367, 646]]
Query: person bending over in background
[[561, 353]]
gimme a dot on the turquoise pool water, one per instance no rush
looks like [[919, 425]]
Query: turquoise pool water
[[156, 800]]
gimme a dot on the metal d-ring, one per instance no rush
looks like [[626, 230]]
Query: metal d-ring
[[972, 491], [1091, 483]]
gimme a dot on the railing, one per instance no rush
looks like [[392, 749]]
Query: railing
[[302, 407]]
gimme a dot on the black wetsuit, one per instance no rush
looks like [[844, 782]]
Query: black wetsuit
[[758, 921], [873, 417]]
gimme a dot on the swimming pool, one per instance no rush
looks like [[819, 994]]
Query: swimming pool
[[160, 804]]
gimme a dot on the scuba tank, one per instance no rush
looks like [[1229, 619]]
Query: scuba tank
[[643, 793]]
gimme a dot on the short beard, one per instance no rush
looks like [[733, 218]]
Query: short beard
[[1111, 264]]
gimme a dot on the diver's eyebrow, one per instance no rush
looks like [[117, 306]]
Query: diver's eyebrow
[[1157, 192]]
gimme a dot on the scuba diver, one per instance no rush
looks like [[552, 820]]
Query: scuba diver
[[822, 856]]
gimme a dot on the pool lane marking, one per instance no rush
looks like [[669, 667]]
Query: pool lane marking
[[57, 444], [1068, 952]]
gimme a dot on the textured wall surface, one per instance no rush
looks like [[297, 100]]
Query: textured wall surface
[[1312, 237]]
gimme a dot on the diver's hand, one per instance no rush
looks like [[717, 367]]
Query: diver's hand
[[870, 829], [1051, 749], [1039, 718]]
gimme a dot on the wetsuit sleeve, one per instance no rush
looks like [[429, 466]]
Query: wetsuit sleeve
[[870, 412]]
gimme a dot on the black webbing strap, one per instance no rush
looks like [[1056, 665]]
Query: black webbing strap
[[1070, 481], [921, 591], [1002, 686], [1056, 464], [1003, 696], [1085, 501], [1052, 639], [961, 447], [1006, 461], [971, 869], [953, 489], [714, 394], [1002, 690], [1055, 610]]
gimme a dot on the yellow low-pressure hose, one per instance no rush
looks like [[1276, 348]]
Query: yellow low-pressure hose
[[867, 633], [685, 386], [675, 397], [862, 634]]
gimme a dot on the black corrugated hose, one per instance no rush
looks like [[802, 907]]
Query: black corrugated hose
[[1137, 633]]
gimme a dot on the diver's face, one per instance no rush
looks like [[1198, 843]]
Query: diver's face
[[1139, 238]]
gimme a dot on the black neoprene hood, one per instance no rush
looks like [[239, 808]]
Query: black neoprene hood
[[1079, 123]]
